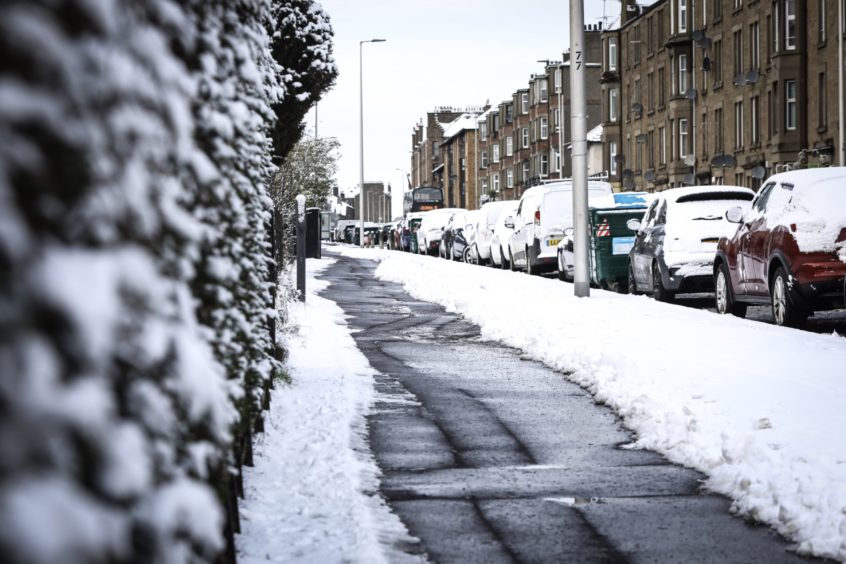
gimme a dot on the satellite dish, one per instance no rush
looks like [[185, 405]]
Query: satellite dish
[[729, 160], [649, 176], [706, 64], [641, 138], [690, 94], [697, 35], [637, 108], [759, 172], [620, 159], [628, 184], [690, 160], [704, 43], [627, 173], [717, 160], [752, 76], [689, 180]]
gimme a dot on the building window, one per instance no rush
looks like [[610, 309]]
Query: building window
[[737, 4], [509, 146], [636, 45], [525, 171], [822, 112], [775, 28], [556, 161], [544, 165], [718, 10], [719, 130], [650, 149], [484, 186], [682, 74], [769, 38], [717, 63], [755, 45], [509, 178], [755, 118], [682, 16], [790, 24], [524, 103], [436, 149], [544, 128], [773, 109], [484, 159], [662, 146], [738, 52], [496, 182], [789, 105], [612, 105], [682, 138], [661, 82], [612, 53], [612, 157], [544, 90], [483, 130], [558, 81], [821, 21], [738, 125], [650, 88], [525, 136]]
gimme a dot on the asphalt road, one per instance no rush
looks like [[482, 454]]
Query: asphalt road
[[487, 457]]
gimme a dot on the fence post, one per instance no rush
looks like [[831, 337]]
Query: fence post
[[301, 246]]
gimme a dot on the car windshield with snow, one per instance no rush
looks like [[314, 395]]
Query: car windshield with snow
[[676, 240]]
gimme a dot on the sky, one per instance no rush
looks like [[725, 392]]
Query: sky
[[438, 53]]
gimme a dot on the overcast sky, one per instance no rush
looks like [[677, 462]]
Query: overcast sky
[[438, 53]]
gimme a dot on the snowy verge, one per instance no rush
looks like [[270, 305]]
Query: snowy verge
[[757, 408], [312, 495]]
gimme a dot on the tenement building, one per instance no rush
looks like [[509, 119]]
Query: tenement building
[[525, 140], [427, 165], [719, 91]]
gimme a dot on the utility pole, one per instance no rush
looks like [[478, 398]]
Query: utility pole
[[578, 135]]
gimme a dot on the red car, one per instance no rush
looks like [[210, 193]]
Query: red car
[[789, 250]]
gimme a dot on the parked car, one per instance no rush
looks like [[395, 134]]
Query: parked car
[[677, 239], [543, 214], [431, 229], [408, 237], [480, 250], [460, 234], [341, 229], [788, 250], [502, 233]]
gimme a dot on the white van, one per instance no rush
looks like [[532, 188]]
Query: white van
[[544, 213], [488, 215]]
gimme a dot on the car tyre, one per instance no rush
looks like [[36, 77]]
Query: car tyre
[[561, 275], [632, 283], [511, 264], [785, 311], [723, 295], [530, 270], [503, 263], [466, 256], [659, 292]]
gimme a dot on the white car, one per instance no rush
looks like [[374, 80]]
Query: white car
[[502, 232], [432, 228], [487, 217], [543, 215]]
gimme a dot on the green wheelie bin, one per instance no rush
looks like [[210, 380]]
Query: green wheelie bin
[[611, 240]]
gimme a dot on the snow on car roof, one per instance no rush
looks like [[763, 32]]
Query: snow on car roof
[[673, 194]]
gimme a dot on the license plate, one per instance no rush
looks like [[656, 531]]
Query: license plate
[[622, 245], [552, 242]]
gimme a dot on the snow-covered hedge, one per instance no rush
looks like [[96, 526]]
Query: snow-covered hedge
[[135, 308]]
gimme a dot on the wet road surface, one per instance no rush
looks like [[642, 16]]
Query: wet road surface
[[488, 458]]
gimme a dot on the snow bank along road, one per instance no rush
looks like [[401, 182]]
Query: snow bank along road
[[757, 408]]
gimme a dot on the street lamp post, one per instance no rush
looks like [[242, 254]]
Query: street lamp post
[[361, 131]]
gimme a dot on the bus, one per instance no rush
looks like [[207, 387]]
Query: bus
[[421, 199]]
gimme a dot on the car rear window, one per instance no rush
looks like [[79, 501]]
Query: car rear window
[[706, 196]]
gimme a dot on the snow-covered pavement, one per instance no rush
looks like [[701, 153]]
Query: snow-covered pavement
[[312, 494], [757, 408]]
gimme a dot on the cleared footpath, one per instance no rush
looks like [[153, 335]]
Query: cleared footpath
[[487, 457]]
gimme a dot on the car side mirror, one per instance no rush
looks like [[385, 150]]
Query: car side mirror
[[509, 222], [491, 227], [633, 224], [469, 227], [734, 214]]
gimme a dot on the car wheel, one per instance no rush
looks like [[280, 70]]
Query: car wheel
[[660, 293], [511, 264], [503, 263], [785, 311], [723, 294], [561, 275], [529, 270]]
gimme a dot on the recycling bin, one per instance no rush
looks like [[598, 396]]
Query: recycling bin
[[313, 229]]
